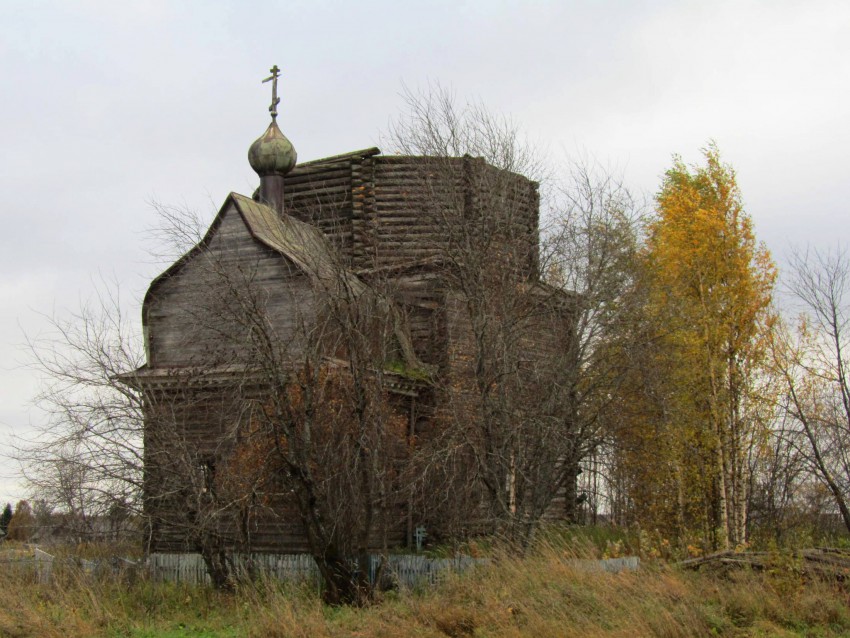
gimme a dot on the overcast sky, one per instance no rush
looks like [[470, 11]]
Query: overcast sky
[[106, 106]]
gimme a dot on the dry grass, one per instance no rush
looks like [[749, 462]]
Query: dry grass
[[541, 595]]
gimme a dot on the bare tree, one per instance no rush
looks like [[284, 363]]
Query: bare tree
[[813, 365], [780, 478], [86, 456], [261, 422], [536, 379], [268, 373], [507, 444], [592, 244]]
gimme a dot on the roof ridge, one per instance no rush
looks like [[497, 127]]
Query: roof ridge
[[362, 153]]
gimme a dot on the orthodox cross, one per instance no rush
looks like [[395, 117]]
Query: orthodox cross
[[275, 99]]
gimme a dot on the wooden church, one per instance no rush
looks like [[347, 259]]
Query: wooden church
[[395, 242]]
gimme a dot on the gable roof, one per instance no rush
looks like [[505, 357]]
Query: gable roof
[[300, 242], [306, 247]]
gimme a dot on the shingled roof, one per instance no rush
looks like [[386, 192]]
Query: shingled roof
[[301, 243]]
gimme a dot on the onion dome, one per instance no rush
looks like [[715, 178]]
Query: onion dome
[[272, 153]]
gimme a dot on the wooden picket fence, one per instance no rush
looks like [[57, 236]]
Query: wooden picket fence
[[405, 570], [40, 566], [394, 570], [35, 564], [191, 569]]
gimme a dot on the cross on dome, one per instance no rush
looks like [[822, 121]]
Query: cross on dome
[[272, 155], [275, 74]]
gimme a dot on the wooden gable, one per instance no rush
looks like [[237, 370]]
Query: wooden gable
[[189, 310]]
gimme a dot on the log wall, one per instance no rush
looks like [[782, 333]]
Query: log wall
[[321, 194], [389, 210]]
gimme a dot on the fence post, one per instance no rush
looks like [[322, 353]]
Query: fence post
[[43, 565]]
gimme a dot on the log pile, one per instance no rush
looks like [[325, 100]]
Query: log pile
[[820, 562]]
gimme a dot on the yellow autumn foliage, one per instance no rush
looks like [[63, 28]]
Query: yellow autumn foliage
[[708, 291]]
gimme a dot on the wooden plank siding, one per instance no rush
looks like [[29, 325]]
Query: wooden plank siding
[[190, 319]]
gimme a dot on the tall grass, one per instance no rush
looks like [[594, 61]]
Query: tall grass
[[545, 593]]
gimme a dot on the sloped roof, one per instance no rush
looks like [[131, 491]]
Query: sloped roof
[[302, 243], [306, 247]]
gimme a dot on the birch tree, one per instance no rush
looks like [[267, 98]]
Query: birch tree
[[710, 289]]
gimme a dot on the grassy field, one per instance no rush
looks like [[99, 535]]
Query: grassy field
[[540, 595]]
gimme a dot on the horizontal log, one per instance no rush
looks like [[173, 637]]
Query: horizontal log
[[329, 172], [364, 154], [416, 159], [318, 188]]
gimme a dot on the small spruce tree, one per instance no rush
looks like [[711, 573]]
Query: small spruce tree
[[5, 517]]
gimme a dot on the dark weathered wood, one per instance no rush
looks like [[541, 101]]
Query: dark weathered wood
[[391, 220], [344, 157], [818, 562], [183, 319]]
